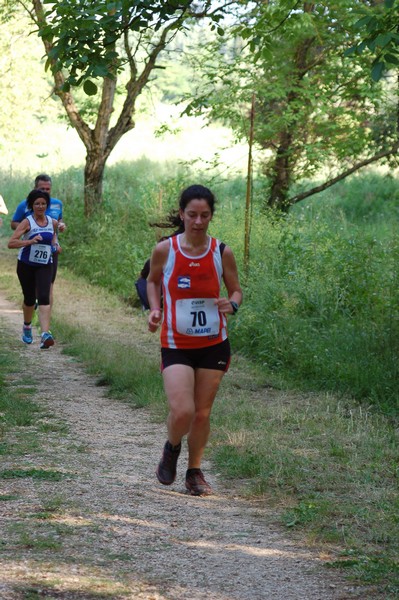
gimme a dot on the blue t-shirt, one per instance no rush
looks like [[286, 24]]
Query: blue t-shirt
[[54, 210]]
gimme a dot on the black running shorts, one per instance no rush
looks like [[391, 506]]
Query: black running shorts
[[215, 357]]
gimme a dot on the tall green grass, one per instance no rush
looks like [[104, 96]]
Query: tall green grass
[[324, 311], [328, 465], [321, 304]]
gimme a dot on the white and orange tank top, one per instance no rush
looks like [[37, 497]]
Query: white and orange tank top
[[190, 287]]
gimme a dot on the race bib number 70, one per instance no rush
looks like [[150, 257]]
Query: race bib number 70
[[197, 317]]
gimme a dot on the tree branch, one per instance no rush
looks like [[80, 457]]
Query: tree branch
[[134, 88], [66, 98], [331, 182], [206, 12]]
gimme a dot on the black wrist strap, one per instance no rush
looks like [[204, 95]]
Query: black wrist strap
[[234, 307]]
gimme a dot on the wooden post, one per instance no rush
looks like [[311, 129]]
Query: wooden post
[[248, 194]]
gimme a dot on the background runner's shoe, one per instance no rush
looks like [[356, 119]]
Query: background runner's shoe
[[27, 334], [196, 484], [47, 340]]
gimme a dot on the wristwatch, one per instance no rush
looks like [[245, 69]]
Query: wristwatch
[[234, 306]]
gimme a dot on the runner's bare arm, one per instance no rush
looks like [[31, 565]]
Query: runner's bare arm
[[154, 280], [54, 241], [231, 281], [16, 242]]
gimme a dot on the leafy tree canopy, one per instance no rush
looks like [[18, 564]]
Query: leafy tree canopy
[[379, 27], [314, 108], [103, 42], [84, 34]]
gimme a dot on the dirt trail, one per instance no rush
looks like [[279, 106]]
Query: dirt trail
[[121, 534]]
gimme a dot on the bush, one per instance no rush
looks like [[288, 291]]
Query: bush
[[321, 302]]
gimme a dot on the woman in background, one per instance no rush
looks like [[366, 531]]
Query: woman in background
[[36, 238]]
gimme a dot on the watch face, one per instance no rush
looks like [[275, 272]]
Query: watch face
[[234, 305]]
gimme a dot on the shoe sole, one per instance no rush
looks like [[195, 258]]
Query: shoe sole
[[162, 480], [26, 341], [46, 344], [197, 493]]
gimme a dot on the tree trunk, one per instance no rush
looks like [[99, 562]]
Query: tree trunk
[[93, 181], [101, 140], [281, 175], [284, 162]]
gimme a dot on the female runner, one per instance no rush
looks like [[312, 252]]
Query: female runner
[[190, 267], [36, 238]]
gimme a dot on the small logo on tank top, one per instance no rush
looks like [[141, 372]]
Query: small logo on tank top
[[183, 282], [194, 264]]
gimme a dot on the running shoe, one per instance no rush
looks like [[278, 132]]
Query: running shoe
[[196, 484], [47, 340], [166, 471], [27, 334]]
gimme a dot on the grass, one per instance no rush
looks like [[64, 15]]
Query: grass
[[123, 372], [16, 407], [329, 464], [22, 427], [326, 461], [43, 474], [321, 299]]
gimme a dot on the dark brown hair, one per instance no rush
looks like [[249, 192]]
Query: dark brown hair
[[34, 195]]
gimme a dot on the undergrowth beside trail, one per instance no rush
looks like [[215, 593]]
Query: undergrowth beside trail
[[321, 299], [328, 465], [316, 339], [115, 365]]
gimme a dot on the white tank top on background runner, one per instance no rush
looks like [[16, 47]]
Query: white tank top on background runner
[[38, 254]]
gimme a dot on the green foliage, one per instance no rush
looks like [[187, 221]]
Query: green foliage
[[42, 474], [29, 113], [310, 102], [326, 293], [16, 409], [84, 36], [116, 365], [378, 26], [329, 465], [111, 248], [304, 512], [101, 260], [371, 569], [321, 303]]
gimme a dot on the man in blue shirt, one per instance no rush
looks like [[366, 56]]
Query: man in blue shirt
[[42, 182], [54, 211]]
